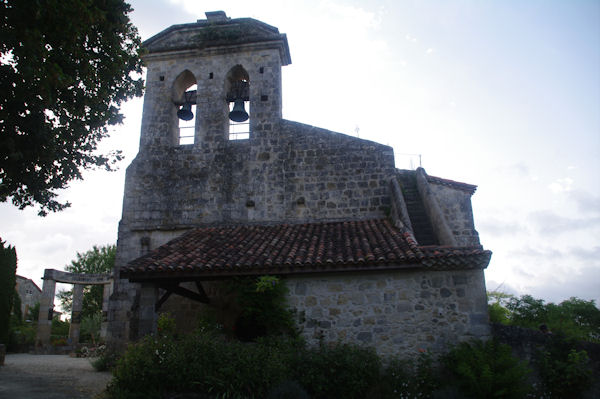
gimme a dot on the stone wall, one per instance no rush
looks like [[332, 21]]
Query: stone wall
[[295, 173], [397, 312], [455, 205]]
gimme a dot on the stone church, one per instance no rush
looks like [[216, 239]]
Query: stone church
[[223, 186]]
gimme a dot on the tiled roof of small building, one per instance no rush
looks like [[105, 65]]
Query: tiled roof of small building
[[212, 252]]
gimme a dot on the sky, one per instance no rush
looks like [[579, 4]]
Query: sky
[[501, 94]]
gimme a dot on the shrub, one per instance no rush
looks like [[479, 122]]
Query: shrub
[[21, 337], [288, 390], [564, 371], [90, 327], [395, 382], [166, 325], [59, 342], [264, 309], [338, 371], [202, 362], [486, 370], [106, 359], [59, 328]]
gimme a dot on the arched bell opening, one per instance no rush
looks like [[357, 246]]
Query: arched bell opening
[[184, 100], [238, 101]]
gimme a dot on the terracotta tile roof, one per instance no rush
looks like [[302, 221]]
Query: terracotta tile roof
[[211, 252]]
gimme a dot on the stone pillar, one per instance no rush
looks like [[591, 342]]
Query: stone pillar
[[105, 300], [147, 314], [46, 311], [76, 314]]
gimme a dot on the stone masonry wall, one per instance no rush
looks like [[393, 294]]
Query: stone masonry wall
[[397, 312], [295, 173], [455, 204]]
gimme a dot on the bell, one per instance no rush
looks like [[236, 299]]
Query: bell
[[238, 113], [185, 113]]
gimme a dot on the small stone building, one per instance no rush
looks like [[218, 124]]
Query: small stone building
[[370, 254], [29, 293]]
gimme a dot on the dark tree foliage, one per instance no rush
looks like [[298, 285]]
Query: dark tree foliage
[[65, 68], [96, 260], [8, 270], [574, 318]]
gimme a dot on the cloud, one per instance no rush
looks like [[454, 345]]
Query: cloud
[[518, 169], [544, 254], [492, 226], [584, 201], [430, 50], [410, 38], [548, 222], [583, 284], [562, 185], [587, 255]]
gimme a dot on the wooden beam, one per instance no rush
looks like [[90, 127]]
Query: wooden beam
[[201, 291], [184, 292], [162, 300]]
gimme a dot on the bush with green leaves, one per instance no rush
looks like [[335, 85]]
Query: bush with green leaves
[[105, 361], [208, 364], [59, 329], [203, 362], [21, 335], [90, 328], [486, 370], [338, 371], [263, 307], [564, 371]]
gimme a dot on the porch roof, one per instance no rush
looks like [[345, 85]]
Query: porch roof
[[343, 246]]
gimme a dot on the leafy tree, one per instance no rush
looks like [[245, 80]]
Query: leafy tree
[[90, 327], [527, 311], [33, 313], [16, 315], [574, 318], [8, 270], [497, 306], [96, 260], [65, 68]]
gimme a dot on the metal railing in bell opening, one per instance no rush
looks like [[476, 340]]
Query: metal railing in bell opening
[[186, 135], [239, 130]]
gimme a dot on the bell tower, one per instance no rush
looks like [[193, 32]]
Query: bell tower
[[229, 70], [211, 116]]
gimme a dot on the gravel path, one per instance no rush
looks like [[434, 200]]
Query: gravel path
[[26, 376]]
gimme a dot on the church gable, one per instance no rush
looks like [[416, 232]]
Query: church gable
[[218, 30]]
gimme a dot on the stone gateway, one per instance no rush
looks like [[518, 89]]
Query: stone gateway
[[370, 254]]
